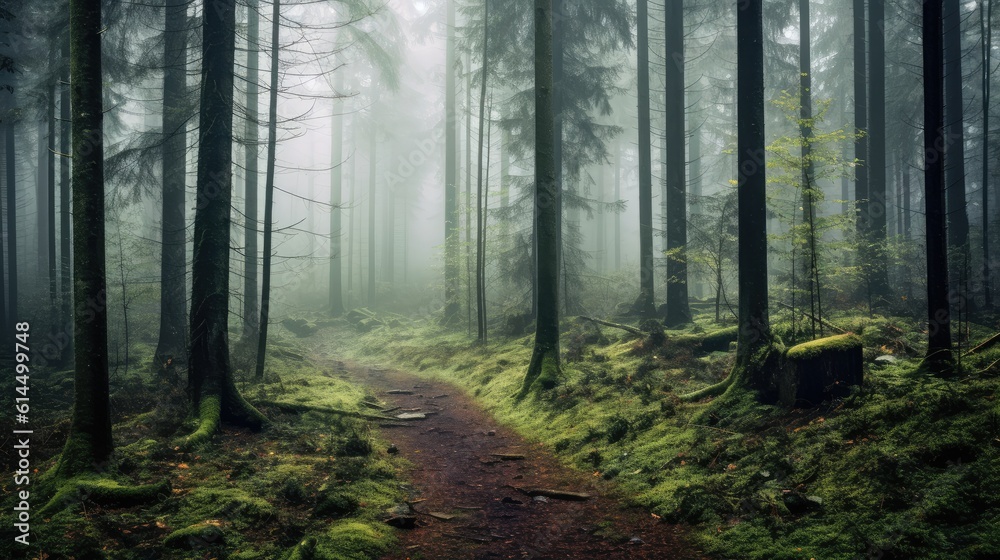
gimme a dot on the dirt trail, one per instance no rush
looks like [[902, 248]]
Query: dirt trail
[[457, 471]]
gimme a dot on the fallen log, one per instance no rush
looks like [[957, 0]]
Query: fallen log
[[625, 328]]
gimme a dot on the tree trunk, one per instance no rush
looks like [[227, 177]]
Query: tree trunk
[[173, 266], [272, 146], [560, 21], [644, 306], [861, 193], [986, 32], [251, 152], [10, 233], [678, 312], [878, 204], [89, 445], [336, 296], [755, 331], [42, 204], [939, 315], [451, 280], [50, 182], [468, 194], [808, 245], [213, 390], [372, 161], [544, 367], [618, 216], [12, 288], [65, 234], [694, 155], [954, 155], [480, 231]]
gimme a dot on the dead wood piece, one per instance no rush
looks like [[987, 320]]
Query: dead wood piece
[[625, 328], [811, 316], [441, 515], [508, 456], [399, 392], [989, 342], [556, 494]]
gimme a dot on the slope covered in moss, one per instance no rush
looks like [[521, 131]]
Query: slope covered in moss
[[905, 467]]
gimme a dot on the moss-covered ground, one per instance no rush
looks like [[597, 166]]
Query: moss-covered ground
[[311, 485], [905, 467]]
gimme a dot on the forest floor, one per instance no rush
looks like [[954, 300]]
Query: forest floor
[[472, 477], [904, 467]]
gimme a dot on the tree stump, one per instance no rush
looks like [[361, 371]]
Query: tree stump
[[820, 370]]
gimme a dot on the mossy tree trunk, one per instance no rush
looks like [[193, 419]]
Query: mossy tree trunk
[[213, 391], [172, 343], [756, 366], [89, 443], [544, 366], [939, 356]]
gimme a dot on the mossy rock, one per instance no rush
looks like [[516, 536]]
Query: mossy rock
[[821, 370], [195, 537], [299, 327]]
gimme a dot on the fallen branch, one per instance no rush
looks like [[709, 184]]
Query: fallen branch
[[625, 328], [300, 408], [989, 342], [554, 494], [813, 317]]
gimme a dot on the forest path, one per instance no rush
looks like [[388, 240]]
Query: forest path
[[459, 469]]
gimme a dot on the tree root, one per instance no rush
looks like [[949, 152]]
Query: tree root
[[102, 491], [710, 391]]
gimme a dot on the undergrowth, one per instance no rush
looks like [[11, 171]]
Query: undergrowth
[[905, 467], [311, 477]]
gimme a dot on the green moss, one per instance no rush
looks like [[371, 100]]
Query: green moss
[[811, 349], [906, 468], [353, 540], [196, 537]]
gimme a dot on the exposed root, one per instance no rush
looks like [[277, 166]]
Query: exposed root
[[103, 492]]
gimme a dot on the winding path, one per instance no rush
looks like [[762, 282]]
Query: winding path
[[467, 466]]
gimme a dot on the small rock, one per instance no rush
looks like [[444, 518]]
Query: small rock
[[392, 450], [636, 540], [491, 433], [541, 499]]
